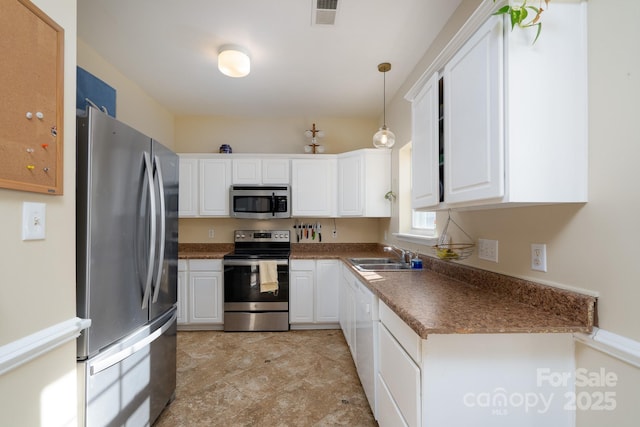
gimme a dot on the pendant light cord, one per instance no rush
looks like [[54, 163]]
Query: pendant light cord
[[384, 99]]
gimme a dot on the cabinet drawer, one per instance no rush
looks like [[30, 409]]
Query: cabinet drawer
[[387, 412], [205, 265], [302, 264], [408, 339], [401, 376]]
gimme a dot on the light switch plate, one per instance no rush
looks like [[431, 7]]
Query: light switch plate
[[33, 220]]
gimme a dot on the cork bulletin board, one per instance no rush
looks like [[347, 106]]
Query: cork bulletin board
[[31, 99]]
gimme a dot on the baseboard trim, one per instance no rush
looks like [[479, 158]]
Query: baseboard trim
[[27, 348], [615, 345]]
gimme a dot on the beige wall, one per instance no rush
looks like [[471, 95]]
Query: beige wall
[[37, 278], [203, 134], [348, 230], [133, 106]]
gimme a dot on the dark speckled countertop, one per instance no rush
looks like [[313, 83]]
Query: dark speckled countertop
[[450, 298]]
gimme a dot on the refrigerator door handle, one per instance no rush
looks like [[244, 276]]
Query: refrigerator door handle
[[118, 357], [152, 245], [163, 227]]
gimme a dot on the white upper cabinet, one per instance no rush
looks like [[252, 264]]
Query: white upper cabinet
[[260, 171], [215, 179], [364, 177], [514, 112], [473, 117], [425, 182], [204, 186], [313, 187], [188, 187]]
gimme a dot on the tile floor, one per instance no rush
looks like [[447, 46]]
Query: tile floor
[[295, 378]]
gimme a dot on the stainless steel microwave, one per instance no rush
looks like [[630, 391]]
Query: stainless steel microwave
[[260, 201]]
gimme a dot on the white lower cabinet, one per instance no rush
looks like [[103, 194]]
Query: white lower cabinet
[[183, 283], [472, 379], [366, 330], [348, 309], [313, 293], [359, 324], [200, 294], [401, 377]]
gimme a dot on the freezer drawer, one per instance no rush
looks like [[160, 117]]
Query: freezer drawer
[[130, 383]]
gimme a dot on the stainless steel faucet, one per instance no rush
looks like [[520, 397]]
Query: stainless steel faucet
[[402, 253]]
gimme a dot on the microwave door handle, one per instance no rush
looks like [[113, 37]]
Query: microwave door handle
[[273, 204]]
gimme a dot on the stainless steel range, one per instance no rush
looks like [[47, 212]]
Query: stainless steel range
[[256, 281]]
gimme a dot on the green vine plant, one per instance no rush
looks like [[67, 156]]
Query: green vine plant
[[520, 13]]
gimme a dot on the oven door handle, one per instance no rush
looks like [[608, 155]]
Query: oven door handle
[[251, 263]]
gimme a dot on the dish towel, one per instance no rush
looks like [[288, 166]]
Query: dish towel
[[268, 276]]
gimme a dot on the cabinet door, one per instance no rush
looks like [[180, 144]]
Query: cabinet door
[[377, 182], [205, 297], [351, 185], [425, 181], [327, 291], [215, 178], [348, 310], [301, 296], [247, 171], [365, 360], [183, 283], [275, 171], [313, 187], [474, 118], [188, 188]]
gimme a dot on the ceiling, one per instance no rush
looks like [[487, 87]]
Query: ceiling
[[169, 48]]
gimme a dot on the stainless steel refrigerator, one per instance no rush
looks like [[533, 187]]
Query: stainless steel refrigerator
[[127, 246]]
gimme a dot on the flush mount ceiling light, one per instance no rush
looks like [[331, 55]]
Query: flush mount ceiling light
[[384, 138], [233, 61]]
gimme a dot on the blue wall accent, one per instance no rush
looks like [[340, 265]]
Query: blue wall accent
[[100, 93]]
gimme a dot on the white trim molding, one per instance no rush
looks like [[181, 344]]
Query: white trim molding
[[615, 345], [27, 348]]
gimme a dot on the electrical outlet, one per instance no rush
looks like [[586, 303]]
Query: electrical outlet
[[488, 250], [539, 257], [211, 233]]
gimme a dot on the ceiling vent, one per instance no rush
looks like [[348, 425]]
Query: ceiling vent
[[324, 12]]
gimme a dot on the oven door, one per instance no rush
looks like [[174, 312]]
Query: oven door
[[242, 286]]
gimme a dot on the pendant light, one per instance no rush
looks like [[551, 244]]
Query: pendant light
[[384, 138]]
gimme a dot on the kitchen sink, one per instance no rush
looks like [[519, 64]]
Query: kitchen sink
[[381, 260], [379, 264], [383, 267]]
